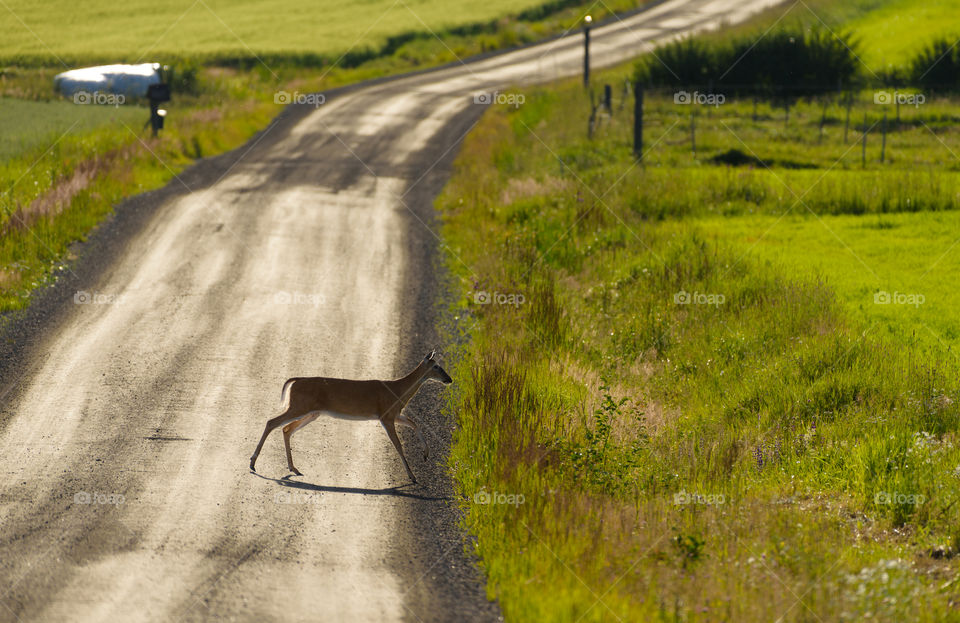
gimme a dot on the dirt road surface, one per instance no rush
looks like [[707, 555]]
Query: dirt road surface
[[133, 393]]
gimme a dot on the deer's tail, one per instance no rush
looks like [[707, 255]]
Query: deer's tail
[[283, 392]]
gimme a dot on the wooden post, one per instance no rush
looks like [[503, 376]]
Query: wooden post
[[693, 133], [863, 149], [586, 55], [823, 119], [608, 98], [883, 145], [638, 121], [846, 126], [591, 124]]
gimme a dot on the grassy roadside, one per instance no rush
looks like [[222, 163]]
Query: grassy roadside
[[65, 171], [659, 420]]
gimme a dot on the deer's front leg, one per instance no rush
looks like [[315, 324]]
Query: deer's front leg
[[388, 424]]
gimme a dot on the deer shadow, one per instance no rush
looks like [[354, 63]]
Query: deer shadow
[[396, 491]]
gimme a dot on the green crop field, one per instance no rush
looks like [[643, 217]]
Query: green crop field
[[147, 30]]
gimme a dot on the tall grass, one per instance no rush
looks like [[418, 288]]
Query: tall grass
[[687, 427]]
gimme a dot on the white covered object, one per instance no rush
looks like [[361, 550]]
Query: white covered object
[[126, 80]]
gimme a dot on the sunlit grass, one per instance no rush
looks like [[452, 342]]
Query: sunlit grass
[[727, 458], [150, 30], [891, 35], [30, 124], [913, 256]]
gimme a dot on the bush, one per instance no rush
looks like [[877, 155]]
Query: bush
[[937, 67], [788, 62], [681, 63]]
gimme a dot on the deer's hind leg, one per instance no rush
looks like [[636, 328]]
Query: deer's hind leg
[[272, 423], [407, 421], [288, 431]]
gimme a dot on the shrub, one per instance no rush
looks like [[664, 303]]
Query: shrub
[[937, 67], [788, 62]]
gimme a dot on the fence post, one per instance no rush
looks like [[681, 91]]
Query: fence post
[[846, 126], [693, 133], [591, 124], [883, 145], [863, 148], [608, 99], [823, 120], [638, 121]]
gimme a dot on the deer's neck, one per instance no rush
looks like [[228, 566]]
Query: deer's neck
[[409, 384]]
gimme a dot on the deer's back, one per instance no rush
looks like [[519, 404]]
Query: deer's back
[[339, 396]]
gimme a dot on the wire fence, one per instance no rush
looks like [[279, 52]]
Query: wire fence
[[840, 115]]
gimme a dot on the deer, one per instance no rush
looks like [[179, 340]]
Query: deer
[[354, 401]]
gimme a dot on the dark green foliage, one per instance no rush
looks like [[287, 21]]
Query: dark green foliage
[[788, 62], [937, 67]]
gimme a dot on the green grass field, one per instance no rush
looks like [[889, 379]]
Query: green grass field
[[689, 419], [145, 31], [861, 256], [29, 125], [891, 34], [700, 410]]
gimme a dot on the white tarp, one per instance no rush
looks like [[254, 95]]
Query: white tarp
[[126, 80]]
